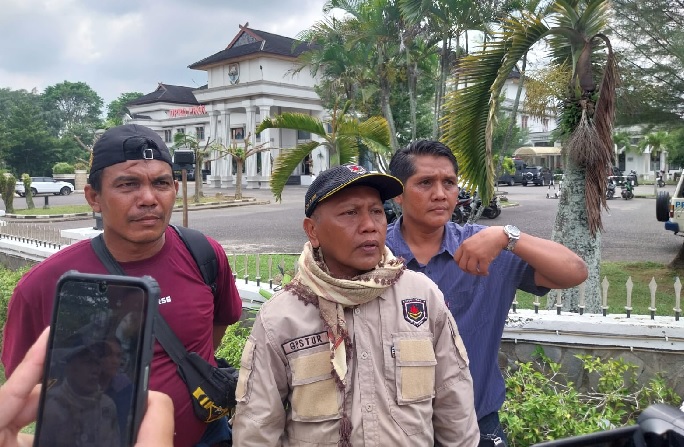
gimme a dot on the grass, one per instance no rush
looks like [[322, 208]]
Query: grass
[[616, 272], [59, 209], [641, 273]]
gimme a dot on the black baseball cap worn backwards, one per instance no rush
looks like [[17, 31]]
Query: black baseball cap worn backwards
[[128, 142], [335, 179]]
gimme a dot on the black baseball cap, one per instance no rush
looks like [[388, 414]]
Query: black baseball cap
[[128, 142], [335, 179]]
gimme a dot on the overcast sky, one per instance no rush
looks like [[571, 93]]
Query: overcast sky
[[118, 46]]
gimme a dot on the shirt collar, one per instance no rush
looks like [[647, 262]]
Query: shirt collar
[[401, 249]]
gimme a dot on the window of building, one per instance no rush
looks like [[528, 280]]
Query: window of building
[[199, 132], [237, 133], [168, 137], [303, 135], [523, 121], [180, 130]]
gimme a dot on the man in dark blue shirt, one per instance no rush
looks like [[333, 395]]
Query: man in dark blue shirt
[[477, 268]]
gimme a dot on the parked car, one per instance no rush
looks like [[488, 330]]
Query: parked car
[[45, 185], [538, 175], [516, 177]]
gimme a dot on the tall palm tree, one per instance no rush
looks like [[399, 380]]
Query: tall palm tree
[[346, 135], [574, 31]]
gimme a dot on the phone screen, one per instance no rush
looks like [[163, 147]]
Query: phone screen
[[97, 364]]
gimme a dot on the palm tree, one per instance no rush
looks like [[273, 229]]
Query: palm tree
[[346, 135], [574, 29], [240, 155], [181, 140]]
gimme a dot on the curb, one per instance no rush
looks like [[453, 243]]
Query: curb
[[176, 208]]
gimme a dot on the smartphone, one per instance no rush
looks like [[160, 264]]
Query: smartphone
[[98, 361]]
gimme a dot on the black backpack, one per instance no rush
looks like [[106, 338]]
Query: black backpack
[[202, 252]]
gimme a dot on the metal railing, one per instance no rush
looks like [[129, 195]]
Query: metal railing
[[35, 234]]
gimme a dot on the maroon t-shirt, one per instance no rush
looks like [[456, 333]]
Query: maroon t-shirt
[[186, 303]]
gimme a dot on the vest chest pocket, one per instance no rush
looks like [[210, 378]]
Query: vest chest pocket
[[315, 396], [415, 369]]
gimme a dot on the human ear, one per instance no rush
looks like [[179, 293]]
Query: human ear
[[93, 198], [309, 225]]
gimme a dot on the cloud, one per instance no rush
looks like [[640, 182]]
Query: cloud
[[118, 46]]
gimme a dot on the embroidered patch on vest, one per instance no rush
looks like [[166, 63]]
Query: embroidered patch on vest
[[415, 311], [305, 342]]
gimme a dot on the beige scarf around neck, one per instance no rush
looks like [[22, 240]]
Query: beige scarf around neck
[[314, 284]]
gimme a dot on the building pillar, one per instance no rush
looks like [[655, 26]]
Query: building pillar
[[267, 142], [213, 135], [226, 171], [251, 175]]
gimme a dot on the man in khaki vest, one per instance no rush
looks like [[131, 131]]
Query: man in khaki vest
[[356, 350]]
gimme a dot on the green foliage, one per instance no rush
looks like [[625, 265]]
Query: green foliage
[[8, 184], [63, 168], [80, 166], [233, 342], [118, 108], [8, 281], [542, 405]]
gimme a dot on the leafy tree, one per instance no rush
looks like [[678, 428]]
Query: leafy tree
[[75, 108], [182, 140], [118, 108], [651, 42], [342, 143], [26, 143], [574, 31], [675, 144]]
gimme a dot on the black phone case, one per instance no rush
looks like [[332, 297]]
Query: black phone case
[[146, 344]]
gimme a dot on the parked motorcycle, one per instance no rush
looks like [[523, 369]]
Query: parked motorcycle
[[627, 191], [467, 205], [633, 176], [659, 180], [610, 190]]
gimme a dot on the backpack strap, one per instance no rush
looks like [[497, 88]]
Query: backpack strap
[[202, 252]]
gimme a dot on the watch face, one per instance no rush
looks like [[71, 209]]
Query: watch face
[[512, 230]]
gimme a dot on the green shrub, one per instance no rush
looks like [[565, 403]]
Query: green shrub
[[63, 168], [541, 405], [8, 281], [80, 166], [234, 342]]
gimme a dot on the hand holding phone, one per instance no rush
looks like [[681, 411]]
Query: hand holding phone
[[19, 405], [98, 359]]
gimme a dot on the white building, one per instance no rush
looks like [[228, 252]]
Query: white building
[[252, 78]]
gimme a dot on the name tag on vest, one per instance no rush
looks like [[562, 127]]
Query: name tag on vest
[[305, 342]]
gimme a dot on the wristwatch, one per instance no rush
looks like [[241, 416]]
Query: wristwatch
[[513, 234]]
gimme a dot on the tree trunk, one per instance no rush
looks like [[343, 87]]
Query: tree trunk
[[29, 199], [387, 112], [516, 104], [238, 178], [412, 80], [440, 85], [571, 229]]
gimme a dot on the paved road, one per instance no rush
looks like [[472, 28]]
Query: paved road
[[631, 231]]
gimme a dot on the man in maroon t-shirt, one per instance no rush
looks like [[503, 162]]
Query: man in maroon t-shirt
[[131, 184]]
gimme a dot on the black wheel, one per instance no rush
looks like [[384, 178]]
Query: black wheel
[[663, 207], [524, 183], [21, 194], [34, 191], [492, 213], [65, 191], [457, 216], [511, 182]]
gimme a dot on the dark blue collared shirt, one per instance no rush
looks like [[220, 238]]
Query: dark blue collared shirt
[[479, 304]]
